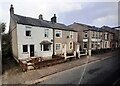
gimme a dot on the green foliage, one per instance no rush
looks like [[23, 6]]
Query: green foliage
[[2, 27], [5, 45]]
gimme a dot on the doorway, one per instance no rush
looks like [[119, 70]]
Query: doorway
[[31, 50]]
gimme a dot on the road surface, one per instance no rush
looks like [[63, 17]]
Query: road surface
[[98, 72]]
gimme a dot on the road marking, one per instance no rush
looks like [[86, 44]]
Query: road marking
[[83, 71], [115, 83], [36, 81]]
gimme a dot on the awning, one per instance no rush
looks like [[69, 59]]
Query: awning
[[45, 42]]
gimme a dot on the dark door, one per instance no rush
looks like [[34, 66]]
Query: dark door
[[31, 50]]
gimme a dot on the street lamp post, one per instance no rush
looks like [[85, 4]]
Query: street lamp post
[[89, 45]]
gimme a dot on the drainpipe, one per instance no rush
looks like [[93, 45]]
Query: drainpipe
[[53, 42]]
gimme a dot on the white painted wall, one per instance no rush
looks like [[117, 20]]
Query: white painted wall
[[96, 40], [37, 36], [85, 40]]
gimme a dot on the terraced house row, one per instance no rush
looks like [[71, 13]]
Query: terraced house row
[[38, 38], [92, 38]]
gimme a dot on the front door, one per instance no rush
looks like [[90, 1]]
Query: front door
[[31, 50]]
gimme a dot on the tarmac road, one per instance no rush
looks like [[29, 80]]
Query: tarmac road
[[98, 72]]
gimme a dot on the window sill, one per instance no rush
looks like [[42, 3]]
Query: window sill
[[25, 53], [28, 37], [58, 50], [46, 37], [58, 37], [47, 51]]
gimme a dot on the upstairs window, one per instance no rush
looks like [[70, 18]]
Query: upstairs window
[[106, 36], [28, 33], [71, 34], [85, 34], [100, 35], [58, 33], [46, 33], [93, 34], [96, 34]]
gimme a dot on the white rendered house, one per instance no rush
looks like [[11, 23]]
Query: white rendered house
[[32, 37]]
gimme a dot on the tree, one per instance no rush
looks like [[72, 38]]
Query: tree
[[2, 27], [5, 45]]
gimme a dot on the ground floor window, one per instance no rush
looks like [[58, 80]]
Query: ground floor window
[[45, 47], [57, 46], [85, 44], [92, 45], [25, 48], [71, 45], [105, 44]]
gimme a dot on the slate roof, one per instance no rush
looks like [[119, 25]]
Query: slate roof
[[108, 29], [116, 27], [40, 23], [93, 28]]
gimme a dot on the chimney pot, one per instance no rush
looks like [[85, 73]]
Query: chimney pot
[[54, 19], [41, 16], [11, 9]]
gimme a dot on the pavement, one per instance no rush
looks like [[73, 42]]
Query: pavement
[[34, 76]]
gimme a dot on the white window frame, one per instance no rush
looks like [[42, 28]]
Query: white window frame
[[70, 45], [93, 34], [46, 31], [106, 44], [71, 34], [60, 33], [60, 46], [86, 45], [85, 33], [27, 49], [106, 36], [101, 35], [93, 43], [96, 35], [28, 28], [29, 34]]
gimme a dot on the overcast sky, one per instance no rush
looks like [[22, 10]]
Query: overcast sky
[[94, 12]]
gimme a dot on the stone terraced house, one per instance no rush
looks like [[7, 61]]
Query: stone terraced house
[[92, 38]]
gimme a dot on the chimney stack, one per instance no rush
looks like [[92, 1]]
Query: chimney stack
[[54, 19], [41, 16], [11, 9]]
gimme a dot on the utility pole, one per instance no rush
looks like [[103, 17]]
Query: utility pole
[[89, 44], [0, 55], [0, 49]]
